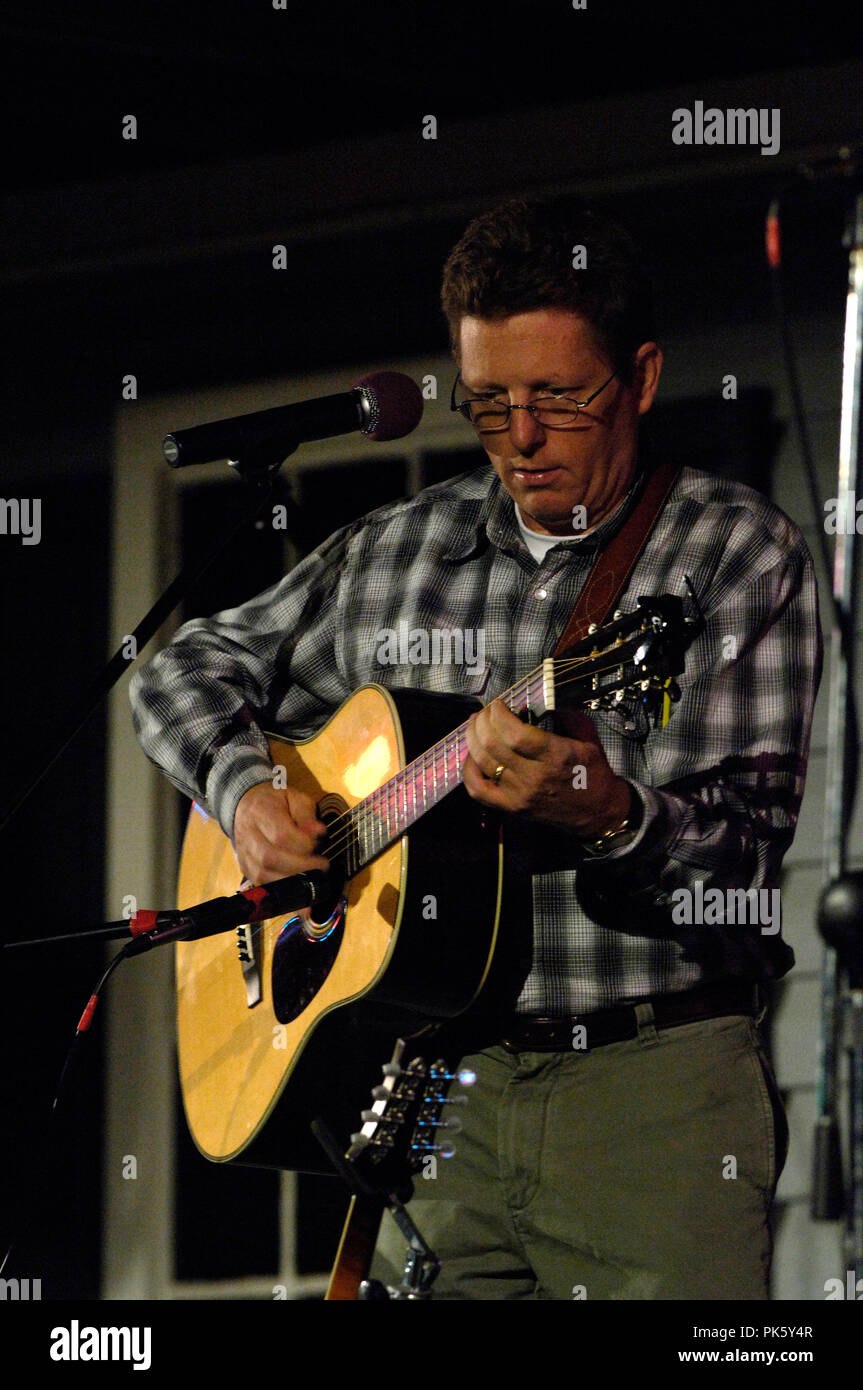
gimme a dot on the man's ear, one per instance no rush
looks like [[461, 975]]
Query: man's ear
[[648, 368]]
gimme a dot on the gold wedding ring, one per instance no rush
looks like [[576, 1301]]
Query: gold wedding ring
[[499, 771]]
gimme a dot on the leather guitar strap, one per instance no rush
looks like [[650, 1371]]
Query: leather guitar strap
[[613, 566]]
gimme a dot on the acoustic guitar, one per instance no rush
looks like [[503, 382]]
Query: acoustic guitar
[[428, 920]]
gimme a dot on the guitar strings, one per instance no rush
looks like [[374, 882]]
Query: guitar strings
[[353, 820], [349, 823], [361, 813]]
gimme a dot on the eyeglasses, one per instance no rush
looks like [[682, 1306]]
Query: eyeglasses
[[554, 411]]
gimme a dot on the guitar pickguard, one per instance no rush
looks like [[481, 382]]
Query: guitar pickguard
[[302, 960]]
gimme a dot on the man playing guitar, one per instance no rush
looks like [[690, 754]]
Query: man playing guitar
[[626, 1135]]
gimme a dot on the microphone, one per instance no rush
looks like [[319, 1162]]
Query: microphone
[[257, 904], [384, 405]]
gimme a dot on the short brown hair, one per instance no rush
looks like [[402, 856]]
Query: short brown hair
[[519, 256]]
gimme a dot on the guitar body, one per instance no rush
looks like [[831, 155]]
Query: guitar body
[[415, 940]]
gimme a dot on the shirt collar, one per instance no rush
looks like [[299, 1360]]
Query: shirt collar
[[497, 522]]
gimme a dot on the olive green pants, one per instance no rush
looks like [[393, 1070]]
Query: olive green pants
[[642, 1170]]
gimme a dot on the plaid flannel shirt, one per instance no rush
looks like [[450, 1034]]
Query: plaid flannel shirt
[[720, 784]]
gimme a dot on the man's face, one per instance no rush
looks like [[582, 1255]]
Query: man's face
[[548, 472]]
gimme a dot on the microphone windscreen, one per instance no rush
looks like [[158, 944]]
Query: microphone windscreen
[[395, 404]]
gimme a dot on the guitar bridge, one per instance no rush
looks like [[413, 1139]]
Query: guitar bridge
[[247, 942]]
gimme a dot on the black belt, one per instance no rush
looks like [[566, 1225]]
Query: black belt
[[529, 1033]]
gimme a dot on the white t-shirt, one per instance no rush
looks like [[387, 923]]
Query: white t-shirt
[[539, 545]]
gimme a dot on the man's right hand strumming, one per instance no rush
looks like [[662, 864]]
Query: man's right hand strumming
[[276, 833]]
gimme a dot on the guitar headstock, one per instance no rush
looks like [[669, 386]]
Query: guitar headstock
[[408, 1125], [631, 659]]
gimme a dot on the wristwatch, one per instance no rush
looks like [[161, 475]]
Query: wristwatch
[[620, 835]]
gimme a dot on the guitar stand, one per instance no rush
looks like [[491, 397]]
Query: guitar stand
[[422, 1265]]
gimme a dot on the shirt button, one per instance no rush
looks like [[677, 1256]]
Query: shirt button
[[541, 593]]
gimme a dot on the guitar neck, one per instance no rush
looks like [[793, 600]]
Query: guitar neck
[[633, 656], [393, 808]]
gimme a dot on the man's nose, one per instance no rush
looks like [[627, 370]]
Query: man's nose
[[525, 432]]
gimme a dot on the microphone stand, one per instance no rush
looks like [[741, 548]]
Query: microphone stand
[[257, 467], [840, 916], [152, 928]]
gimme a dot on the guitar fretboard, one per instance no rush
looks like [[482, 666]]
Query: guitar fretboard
[[390, 810]]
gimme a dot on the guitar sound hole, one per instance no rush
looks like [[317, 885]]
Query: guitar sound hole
[[321, 915], [307, 945], [331, 810]]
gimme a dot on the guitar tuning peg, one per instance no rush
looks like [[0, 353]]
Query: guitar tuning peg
[[391, 1069], [381, 1093], [369, 1116], [444, 1150], [454, 1124], [359, 1138]]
